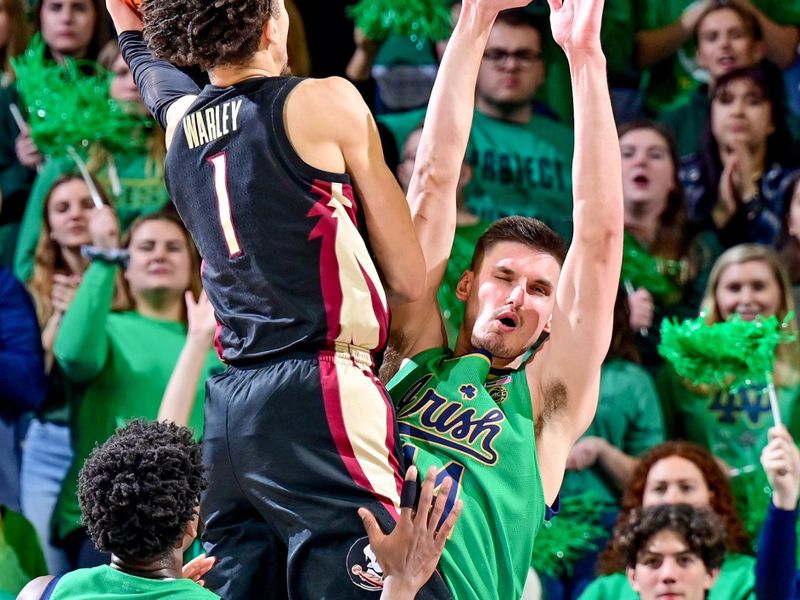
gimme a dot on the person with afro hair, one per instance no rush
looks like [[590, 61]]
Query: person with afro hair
[[139, 495], [673, 550]]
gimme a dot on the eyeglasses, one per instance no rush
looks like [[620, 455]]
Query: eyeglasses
[[525, 59]]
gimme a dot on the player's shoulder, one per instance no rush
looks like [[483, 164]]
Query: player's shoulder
[[335, 94]]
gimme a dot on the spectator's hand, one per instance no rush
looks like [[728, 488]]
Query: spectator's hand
[[410, 553], [124, 18], [692, 13], [104, 228], [197, 567], [63, 292], [202, 322], [576, 24], [585, 452], [641, 306], [781, 461], [727, 195], [746, 172], [27, 152]]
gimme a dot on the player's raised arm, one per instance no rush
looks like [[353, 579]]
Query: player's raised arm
[[565, 377], [166, 91], [432, 191]]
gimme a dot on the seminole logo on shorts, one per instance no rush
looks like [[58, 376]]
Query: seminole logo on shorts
[[363, 567]]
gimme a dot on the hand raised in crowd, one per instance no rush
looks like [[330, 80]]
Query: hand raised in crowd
[[409, 555], [738, 182], [197, 567], [781, 461], [692, 13], [27, 152], [641, 306], [63, 292], [202, 322], [104, 228]]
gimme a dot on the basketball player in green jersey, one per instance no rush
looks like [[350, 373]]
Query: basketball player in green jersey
[[497, 418]]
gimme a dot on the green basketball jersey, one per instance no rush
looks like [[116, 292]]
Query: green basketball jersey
[[476, 428], [105, 583]]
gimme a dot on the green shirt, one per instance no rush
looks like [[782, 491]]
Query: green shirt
[[21, 558], [110, 584], [628, 417], [731, 425], [735, 582], [122, 361], [479, 431], [521, 169]]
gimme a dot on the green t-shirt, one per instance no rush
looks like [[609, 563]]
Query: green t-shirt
[[628, 417], [478, 429], [21, 557], [731, 425], [123, 362], [110, 584], [735, 582], [521, 170], [452, 308]]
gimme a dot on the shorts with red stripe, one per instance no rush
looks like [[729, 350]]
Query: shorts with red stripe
[[292, 448]]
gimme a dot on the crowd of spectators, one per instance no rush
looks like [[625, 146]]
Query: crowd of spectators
[[707, 99]]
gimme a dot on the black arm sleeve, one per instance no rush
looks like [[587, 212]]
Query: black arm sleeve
[[159, 82]]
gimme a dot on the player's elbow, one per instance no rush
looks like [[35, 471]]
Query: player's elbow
[[407, 284]]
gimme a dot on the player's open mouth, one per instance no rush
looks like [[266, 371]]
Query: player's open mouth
[[508, 320]]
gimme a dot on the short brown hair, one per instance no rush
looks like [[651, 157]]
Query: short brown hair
[[205, 33], [523, 230]]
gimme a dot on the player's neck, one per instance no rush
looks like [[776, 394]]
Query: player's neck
[[261, 65], [167, 567]]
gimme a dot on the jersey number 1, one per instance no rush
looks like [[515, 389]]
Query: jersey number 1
[[220, 164]]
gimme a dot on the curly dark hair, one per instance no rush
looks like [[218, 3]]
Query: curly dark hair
[[700, 528], [205, 33], [140, 488], [722, 500]]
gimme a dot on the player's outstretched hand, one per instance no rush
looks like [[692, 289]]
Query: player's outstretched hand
[[123, 16], [781, 461], [409, 555], [576, 24]]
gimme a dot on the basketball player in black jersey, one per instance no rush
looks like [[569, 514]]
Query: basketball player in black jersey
[[305, 237]]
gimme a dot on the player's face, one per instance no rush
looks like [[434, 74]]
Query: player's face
[[510, 299], [159, 258], [123, 88], [741, 113], [724, 43], [648, 173], [512, 69], [748, 289], [676, 480], [666, 569], [67, 26], [68, 210]]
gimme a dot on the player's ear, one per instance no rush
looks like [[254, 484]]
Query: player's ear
[[464, 285], [548, 324]]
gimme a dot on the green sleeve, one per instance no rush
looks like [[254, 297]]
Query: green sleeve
[[668, 385], [609, 587], [648, 427], [81, 346], [21, 536], [34, 211]]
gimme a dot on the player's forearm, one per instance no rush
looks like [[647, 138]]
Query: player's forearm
[[597, 167], [450, 110]]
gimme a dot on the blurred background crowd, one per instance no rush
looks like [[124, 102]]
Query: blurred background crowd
[[707, 98]]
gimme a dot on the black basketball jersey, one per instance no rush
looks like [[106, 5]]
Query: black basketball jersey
[[284, 263]]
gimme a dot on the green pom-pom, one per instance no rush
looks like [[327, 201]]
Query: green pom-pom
[[568, 536], [658, 276], [69, 108], [733, 353], [418, 20]]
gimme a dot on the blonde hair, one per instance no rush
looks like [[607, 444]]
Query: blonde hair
[[787, 358]]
